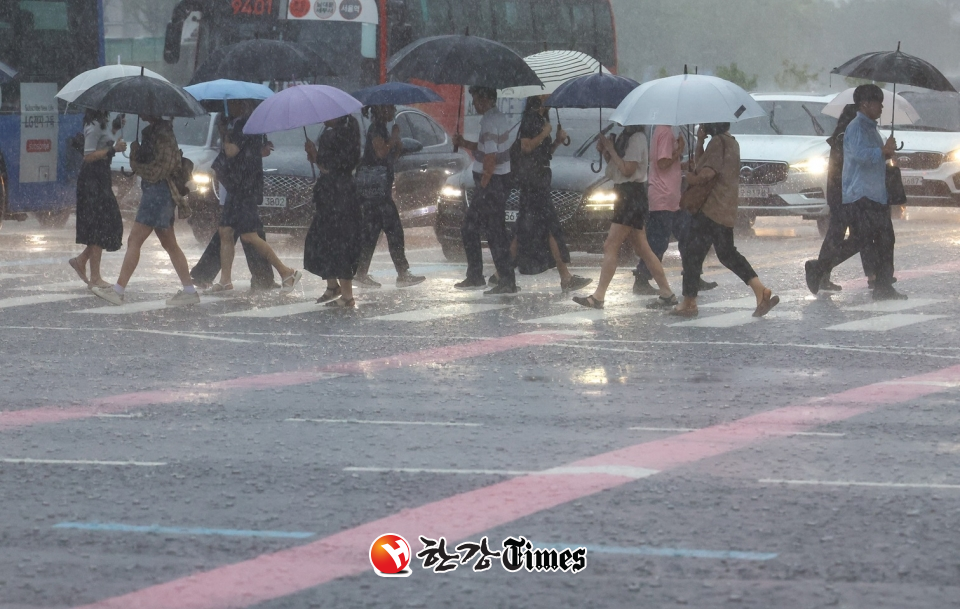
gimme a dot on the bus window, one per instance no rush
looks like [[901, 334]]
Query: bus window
[[553, 24], [513, 21]]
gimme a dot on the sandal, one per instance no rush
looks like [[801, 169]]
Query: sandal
[[342, 304], [288, 283], [79, 269], [329, 294], [687, 313], [221, 287], [589, 301], [664, 302], [767, 302]]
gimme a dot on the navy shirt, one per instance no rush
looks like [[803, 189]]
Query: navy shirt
[[370, 155]]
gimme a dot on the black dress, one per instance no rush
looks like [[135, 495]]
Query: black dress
[[537, 219], [333, 243], [99, 221]]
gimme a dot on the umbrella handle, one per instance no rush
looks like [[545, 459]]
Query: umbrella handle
[[598, 166], [313, 169], [566, 140], [456, 148]]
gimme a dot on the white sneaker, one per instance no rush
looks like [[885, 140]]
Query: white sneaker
[[181, 299], [108, 294]]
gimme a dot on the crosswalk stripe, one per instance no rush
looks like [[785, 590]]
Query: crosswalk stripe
[[24, 301], [455, 310], [12, 275], [895, 306], [586, 316], [295, 308], [750, 302], [884, 322], [727, 320], [135, 307], [62, 286]]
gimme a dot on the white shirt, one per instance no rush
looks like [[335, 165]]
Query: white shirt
[[494, 139], [636, 152], [95, 138]]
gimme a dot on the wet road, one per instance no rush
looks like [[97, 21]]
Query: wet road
[[247, 451]]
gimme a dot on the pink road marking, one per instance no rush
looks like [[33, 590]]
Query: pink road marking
[[343, 554], [14, 419]]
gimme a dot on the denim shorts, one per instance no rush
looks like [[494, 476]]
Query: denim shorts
[[156, 205]]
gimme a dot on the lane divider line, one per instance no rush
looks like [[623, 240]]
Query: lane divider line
[[129, 528], [852, 483], [375, 422], [26, 461], [275, 575]]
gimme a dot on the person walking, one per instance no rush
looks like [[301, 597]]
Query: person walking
[[864, 187], [486, 214], [239, 169], [99, 223], [539, 244], [626, 157], [713, 224], [665, 217], [155, 161], [333, 242], [375, 175], [208, 267], [835, 248]]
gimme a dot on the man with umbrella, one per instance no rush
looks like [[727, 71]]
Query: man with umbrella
[[486, 213]]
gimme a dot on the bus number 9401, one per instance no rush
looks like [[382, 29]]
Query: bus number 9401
[[252, 7]]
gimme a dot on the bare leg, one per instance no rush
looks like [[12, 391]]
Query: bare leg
[[138, 234], [95, 253], [227, 252], [561, 265], [346, 289], [267, 252], [650, 259], [611, 256], [168, 239], [758, 288]]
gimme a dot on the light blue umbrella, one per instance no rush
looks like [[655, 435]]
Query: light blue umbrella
[[224, 89]]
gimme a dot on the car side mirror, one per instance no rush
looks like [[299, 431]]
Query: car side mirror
[[411, 145]]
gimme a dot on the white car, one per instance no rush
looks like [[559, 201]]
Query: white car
[[930, 158], [783, 159]]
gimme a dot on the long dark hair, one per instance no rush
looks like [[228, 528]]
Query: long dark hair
[[96, 116], [846, 117], [623, 140]]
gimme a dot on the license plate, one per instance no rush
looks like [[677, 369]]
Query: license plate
[[912, 180], [511, 215], [274, 202], [754, 192]]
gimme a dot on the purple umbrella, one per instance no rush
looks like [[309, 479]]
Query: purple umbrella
[[300, 106]]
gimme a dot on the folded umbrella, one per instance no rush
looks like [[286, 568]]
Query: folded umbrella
[[83, 81], [900, 111], [262, 61], [395, 94], [554, 68], [687, 99]]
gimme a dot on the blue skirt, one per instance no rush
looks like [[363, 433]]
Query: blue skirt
[[156, 205]]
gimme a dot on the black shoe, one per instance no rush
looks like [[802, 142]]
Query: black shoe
[[470, 284], [494, 280], [813, 275], [576, 283], [366, 281], [642, 287], [707, 285], [888, 293], [871, 283], [828, 286], [407, 279], [502, 290]]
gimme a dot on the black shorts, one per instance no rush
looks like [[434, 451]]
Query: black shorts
[[241, 214], [631, 208]]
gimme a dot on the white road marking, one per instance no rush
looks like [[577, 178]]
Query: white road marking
[[894, 306], [418, 470], [199, 335], [611, 470], [884, 322], [25, 301], [284, 310], [136, 307], [454, 310], [374, 422], [727, 320], [750, 302], [79, 462], [825, 434], [104, 415], [947, 384], [582, 315], [851, 483], [62, 286], [13, 275], [667, 429]]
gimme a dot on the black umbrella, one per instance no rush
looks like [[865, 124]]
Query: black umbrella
[[895, 67], [262, 61], [141, 95], [462, 60]]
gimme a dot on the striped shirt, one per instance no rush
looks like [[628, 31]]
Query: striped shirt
[[494, 139]]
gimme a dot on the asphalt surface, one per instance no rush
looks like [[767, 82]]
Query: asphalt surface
[[247, 451]]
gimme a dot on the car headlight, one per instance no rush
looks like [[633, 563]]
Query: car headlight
[[816, 165], [202, 179], [451, 192], [600, 200], [954, 156]]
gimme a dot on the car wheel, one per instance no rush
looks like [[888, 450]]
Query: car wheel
[[453, 251], [53, 219], [823, 223]]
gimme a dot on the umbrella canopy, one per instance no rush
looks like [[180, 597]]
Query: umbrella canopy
[[461, 60], [686, 100], [7, 73], [300, 106], [895, 67], [224, 89], [396, 93], [555, 68], [592, 91], [904, 114], [262, 61], [83, 81], [140, 95]]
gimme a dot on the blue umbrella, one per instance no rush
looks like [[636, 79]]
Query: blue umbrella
[[224, 89], [396, 93], [7, 73]]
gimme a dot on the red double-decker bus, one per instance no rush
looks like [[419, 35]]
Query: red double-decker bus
[[358, 36]]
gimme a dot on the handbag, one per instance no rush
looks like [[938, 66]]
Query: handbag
[[177, 182], [695, 197], [896, 195], [373, 181]]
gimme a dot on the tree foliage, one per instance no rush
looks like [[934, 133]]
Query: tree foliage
[[737, 76]]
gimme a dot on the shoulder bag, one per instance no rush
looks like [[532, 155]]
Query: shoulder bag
[[896, 195], [373, 182], [695, 197]]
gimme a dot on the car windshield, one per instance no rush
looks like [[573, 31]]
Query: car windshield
[[939, 111], [189, 131], [788, 118]]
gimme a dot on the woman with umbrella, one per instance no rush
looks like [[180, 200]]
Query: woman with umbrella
[[99, 223], [375, 178], [333, 242]]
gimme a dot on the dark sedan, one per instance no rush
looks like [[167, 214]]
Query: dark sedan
[[584, 200]]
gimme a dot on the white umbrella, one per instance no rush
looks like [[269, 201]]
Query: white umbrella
[[905, 114], [686, 100], [83, 81], [554, 68]]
